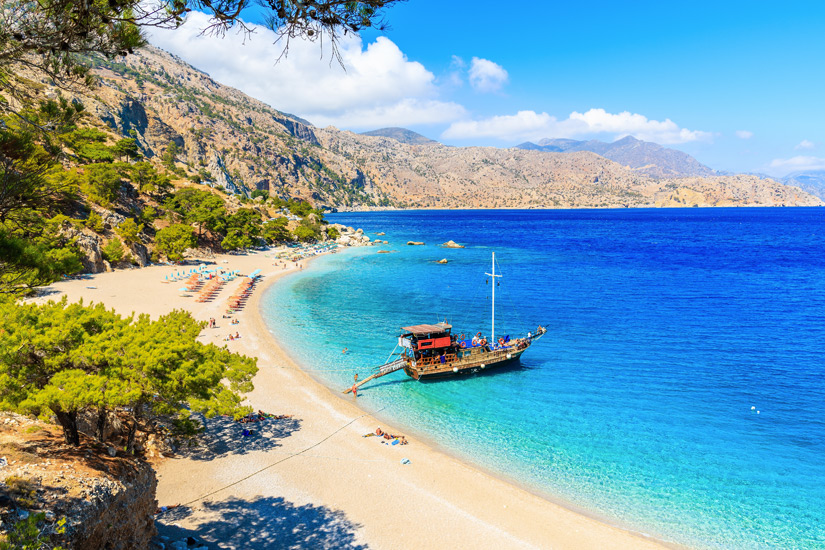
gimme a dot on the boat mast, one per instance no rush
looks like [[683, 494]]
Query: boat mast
[[493, 275]]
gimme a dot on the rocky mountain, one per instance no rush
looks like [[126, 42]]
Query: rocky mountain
[[401, 134], [643, 156], [812, 182], [239, 144]]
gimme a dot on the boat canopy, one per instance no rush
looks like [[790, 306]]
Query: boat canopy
[[420, 330]]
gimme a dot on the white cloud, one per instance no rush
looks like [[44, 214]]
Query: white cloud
[[406, 112], [380, 86], [486, 76], [744, 134], [529, 125], [805, 144], [797, 164], [522, 125]]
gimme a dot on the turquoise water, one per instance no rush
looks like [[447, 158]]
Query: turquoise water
[[668, 331]]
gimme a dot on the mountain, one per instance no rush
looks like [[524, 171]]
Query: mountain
[[812, 182], [642, 156], [233, 142], [401, 134]]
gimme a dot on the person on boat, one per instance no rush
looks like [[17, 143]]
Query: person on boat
[[529, 336], [442, 358], [476, 339]]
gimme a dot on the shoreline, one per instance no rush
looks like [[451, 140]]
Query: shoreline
[[422, 438], [323, 466]]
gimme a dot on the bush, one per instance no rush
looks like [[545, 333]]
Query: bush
[[305, 233], [175, 239], [333, 233], [27, 534], [149, 215], [113, 251], [101, 183], [94, 222], [129, 231]]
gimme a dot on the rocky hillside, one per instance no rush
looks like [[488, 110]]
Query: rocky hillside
[[486, 177], [812, 182], [235, 142], [401, 134], [643, 156]]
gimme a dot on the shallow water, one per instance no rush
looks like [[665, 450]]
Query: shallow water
[[668, 331]]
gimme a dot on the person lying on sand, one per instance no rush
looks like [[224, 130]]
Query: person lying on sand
[[388, 436]]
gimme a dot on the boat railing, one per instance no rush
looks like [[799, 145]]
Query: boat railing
[[468, 355]]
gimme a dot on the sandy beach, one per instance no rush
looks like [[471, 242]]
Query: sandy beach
[[312, 480]]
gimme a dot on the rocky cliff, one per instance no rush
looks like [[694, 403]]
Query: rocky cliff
[[106, 499]]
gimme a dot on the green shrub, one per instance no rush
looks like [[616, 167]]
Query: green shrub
[[113, 251], [175, 239], [94, 222], [129, 231]]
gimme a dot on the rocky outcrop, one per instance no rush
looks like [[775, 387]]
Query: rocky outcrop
[[351, 237], [133, 116], [141, 254], [88, 243], [222, 177], [118, 513], [107, 500], [297, 129], [452, 244], [415, 243]]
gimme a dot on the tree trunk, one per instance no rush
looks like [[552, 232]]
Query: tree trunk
[[102, 416], [68, 420], [130, 442]]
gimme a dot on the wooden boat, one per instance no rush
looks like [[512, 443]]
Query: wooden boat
[[433, 351]]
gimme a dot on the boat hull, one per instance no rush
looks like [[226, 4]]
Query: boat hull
[[459, 368]]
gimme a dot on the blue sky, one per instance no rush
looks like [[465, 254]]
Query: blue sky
[[739, 85]]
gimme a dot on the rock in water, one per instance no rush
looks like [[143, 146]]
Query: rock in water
[[452, 244], [414, 243], [442, 261]]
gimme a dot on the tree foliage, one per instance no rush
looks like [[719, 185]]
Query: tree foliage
[[113, 251], [175, 239], [148, 179], [198, 206], [62, 359], [129, 231], [275, 230]]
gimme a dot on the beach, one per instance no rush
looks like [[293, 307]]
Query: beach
[[312, 480]]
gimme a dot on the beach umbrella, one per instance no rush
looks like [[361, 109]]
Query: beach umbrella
[[184, 289]]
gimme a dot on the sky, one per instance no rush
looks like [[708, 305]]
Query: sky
[[738, 85]]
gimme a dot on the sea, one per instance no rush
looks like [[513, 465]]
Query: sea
[[679, 391]]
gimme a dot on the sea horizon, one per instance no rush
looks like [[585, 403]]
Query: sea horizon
[[609, 427]]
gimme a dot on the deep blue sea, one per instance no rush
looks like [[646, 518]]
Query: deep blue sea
[[678, 392]]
